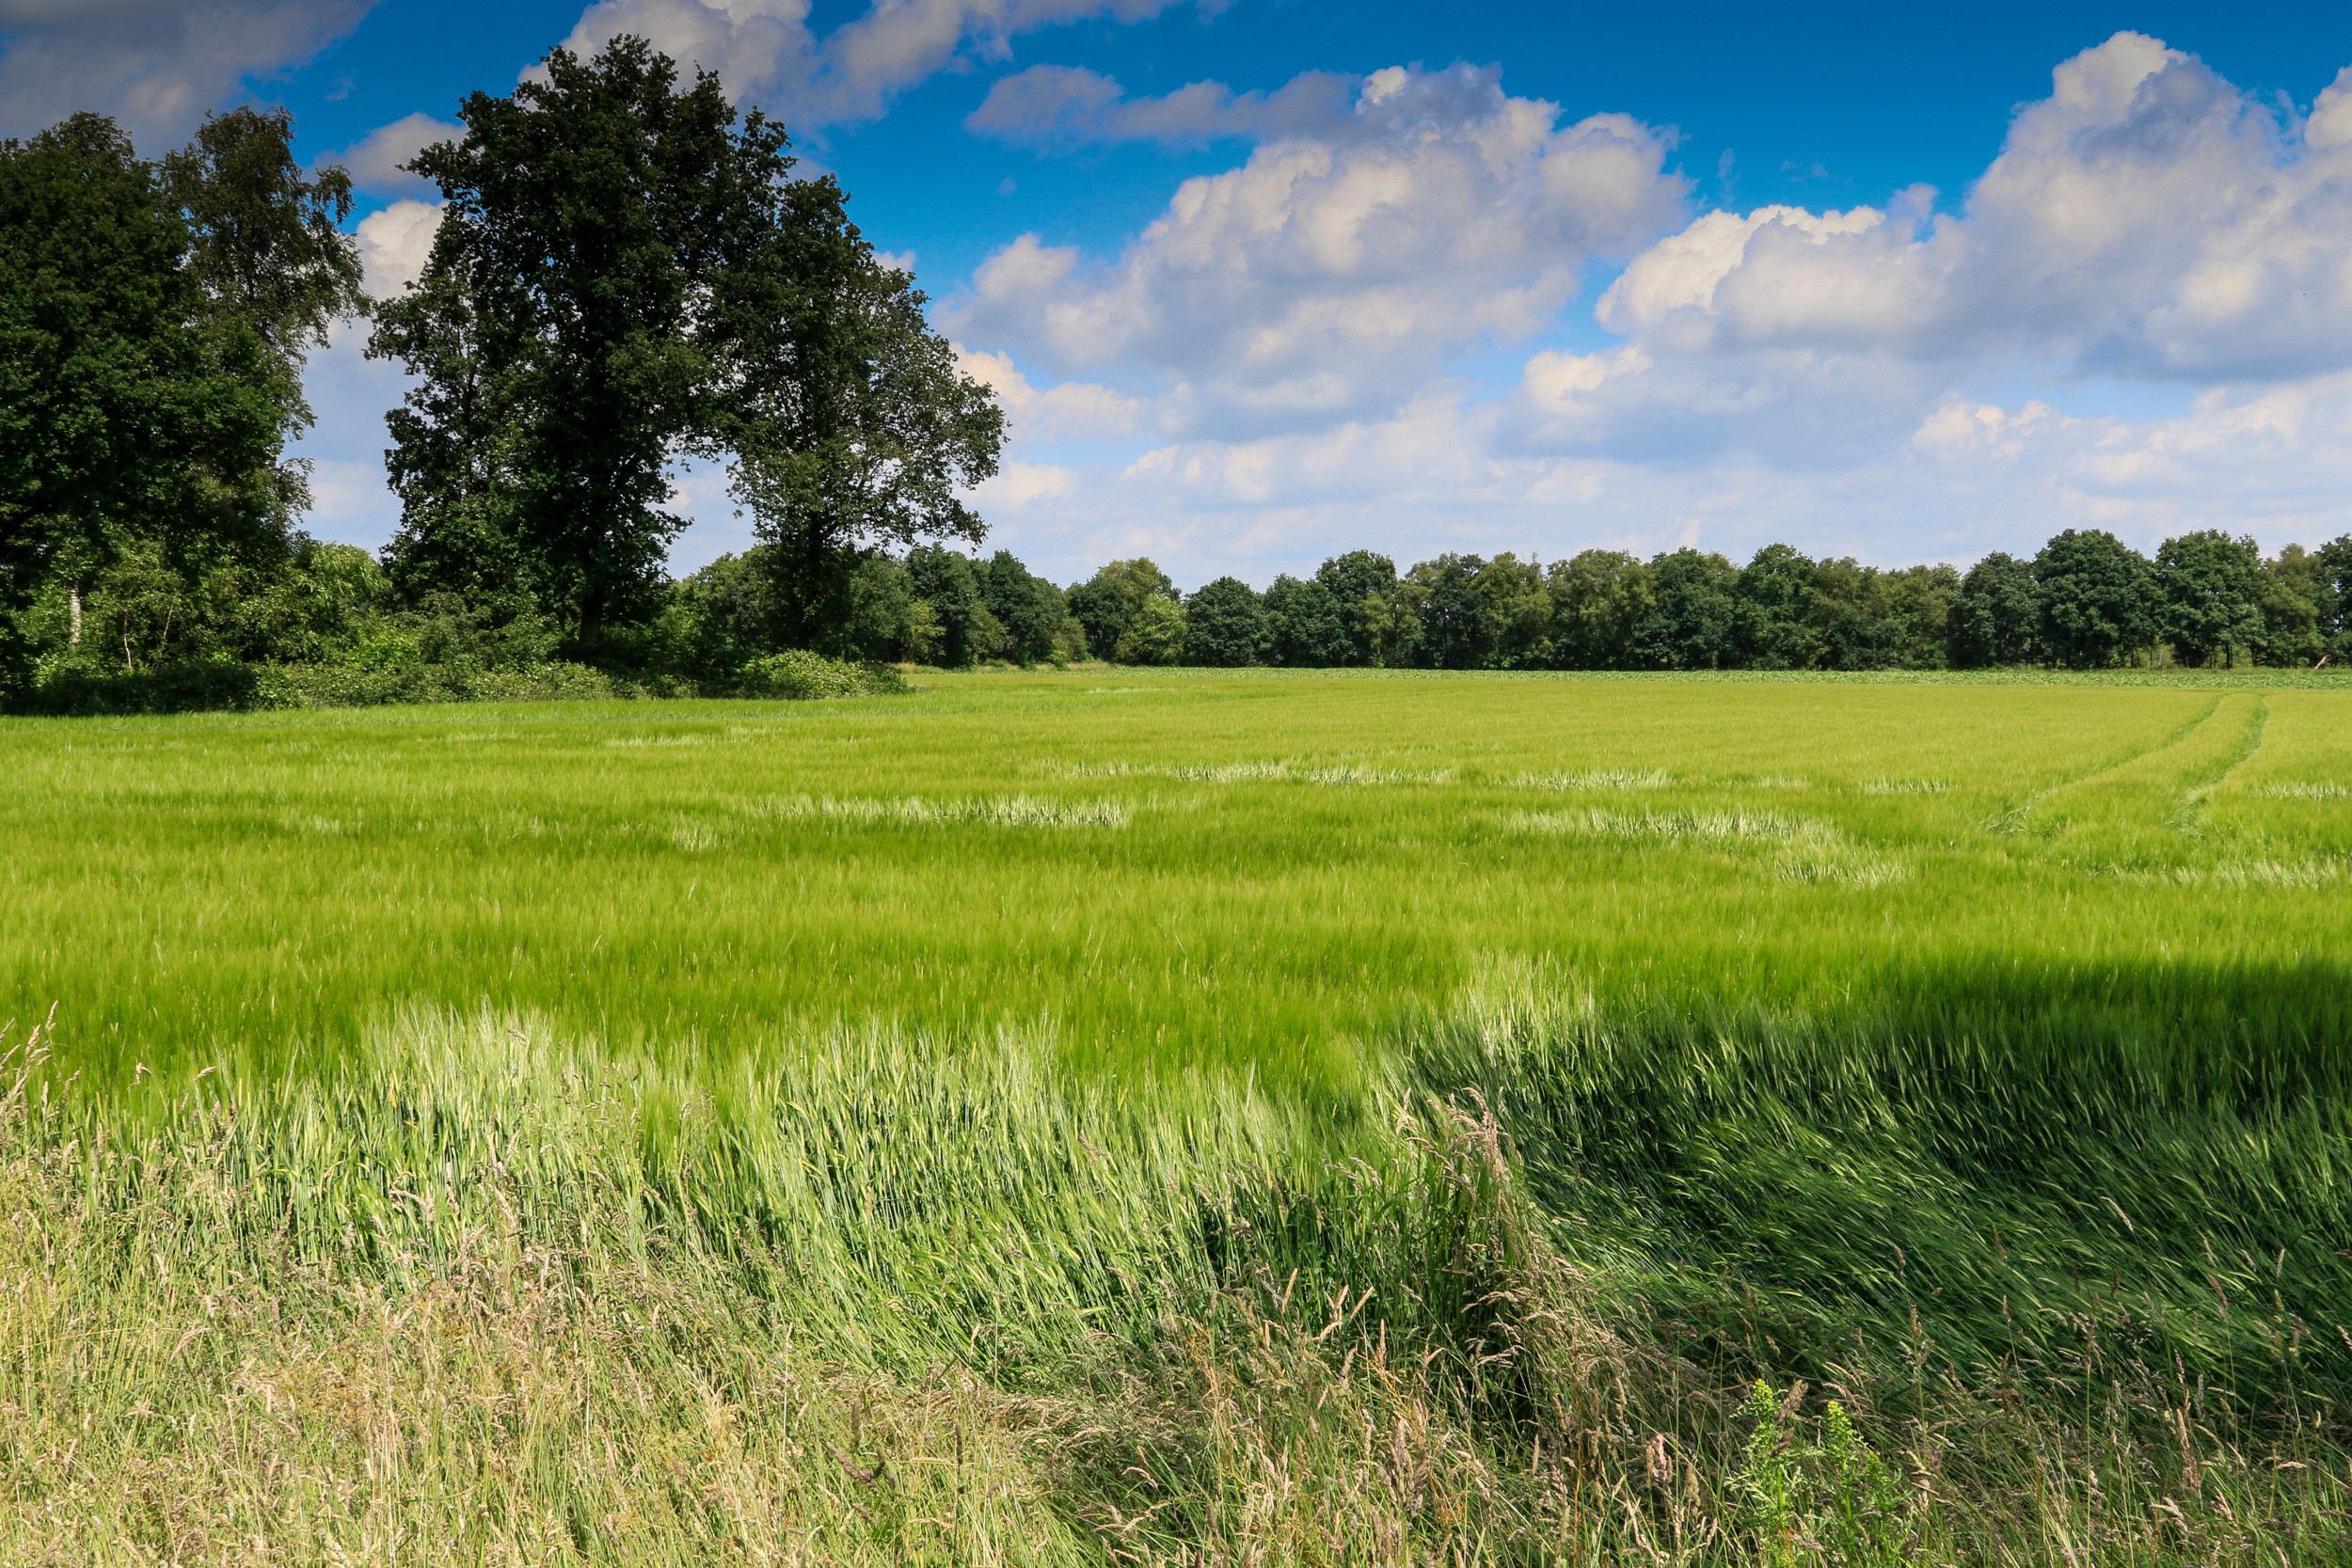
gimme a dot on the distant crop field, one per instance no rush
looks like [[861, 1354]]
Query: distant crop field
[[1092, 1117], [1164, 872]]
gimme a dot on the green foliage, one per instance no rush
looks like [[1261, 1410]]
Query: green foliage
[[799, 675], [1107, 603], [267, 247], [2094, 599], [561, 332], [1996, 615], [2294, 588], [1775, 625], [2209, 595], [1458, 626], [135, 411], [1156, 635], [1600, 600], [1831, 1501], [1691, 625], [853, 429], [1304, 627], [1029, 609], [1520, 608], [1364, 586], [1225, 626], [944, 579]]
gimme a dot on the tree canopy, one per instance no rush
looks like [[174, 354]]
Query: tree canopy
[[152, 323]]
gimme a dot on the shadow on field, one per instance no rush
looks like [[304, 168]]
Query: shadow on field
[[2050, 1177]]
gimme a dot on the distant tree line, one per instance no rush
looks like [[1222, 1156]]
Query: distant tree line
[[2088, 601], [629, 275]]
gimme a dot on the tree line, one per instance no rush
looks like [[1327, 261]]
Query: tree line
[[628, 274], [2085, 601]]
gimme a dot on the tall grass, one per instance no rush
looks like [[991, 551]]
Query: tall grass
[[1025, 1123], [481, 1293]]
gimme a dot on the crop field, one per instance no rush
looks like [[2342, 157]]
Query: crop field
[[1108, 1115]]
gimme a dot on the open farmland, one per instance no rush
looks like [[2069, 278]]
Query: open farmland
[[1235, 1118]]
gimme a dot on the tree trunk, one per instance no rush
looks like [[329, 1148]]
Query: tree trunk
[[591, 620], [73, 601]]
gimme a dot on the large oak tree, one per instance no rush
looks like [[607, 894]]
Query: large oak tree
[[626, 275]]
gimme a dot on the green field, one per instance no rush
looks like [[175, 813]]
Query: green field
[[1250, 874], [1268, 1118]]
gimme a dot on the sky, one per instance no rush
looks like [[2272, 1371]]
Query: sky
[[1258, 281]]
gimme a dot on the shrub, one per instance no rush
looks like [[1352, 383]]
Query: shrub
[[801, 675]]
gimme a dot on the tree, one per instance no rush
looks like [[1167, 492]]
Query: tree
[[2209, 591], [1155, 635], [1598, 599], [1224, 625], [725, 616], [1107, 604], [1994, 616], [2332, 596], [1457, 623], [2092, 599], [1518, 607], [853, 426], [267, 248], [1910, 616], [2293, 585], [1362, 584], [944, 579], [564, 330], [134, 415], [1304, 629], [1030, 607], [1776, 613], [1691, 626]]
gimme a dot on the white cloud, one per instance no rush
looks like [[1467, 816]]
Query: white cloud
[[765, 51], [2147, 220], [1331, 276], [1782, 375], [157, 66], [1065, 107], [374, 162], [1435, 476], [1072, 411], [394, 244]]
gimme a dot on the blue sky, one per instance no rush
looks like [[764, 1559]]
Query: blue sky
[[1264, 280]]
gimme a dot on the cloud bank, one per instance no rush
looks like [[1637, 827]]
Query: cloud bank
[[766, 53], [1285, 345], [1331, 276], [157, 66]]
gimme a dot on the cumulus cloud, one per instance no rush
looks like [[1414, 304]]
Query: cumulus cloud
[[1059, 107], [394, 244], [1330, 276], [374, 162], [1782, 373], [2147, 220], [155, 65], [1072, 411], [765, 51]]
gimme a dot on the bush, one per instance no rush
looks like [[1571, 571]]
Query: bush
[[222, 686], [802, 675]]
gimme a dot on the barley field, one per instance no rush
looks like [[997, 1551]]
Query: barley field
[[1102, 1117]]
